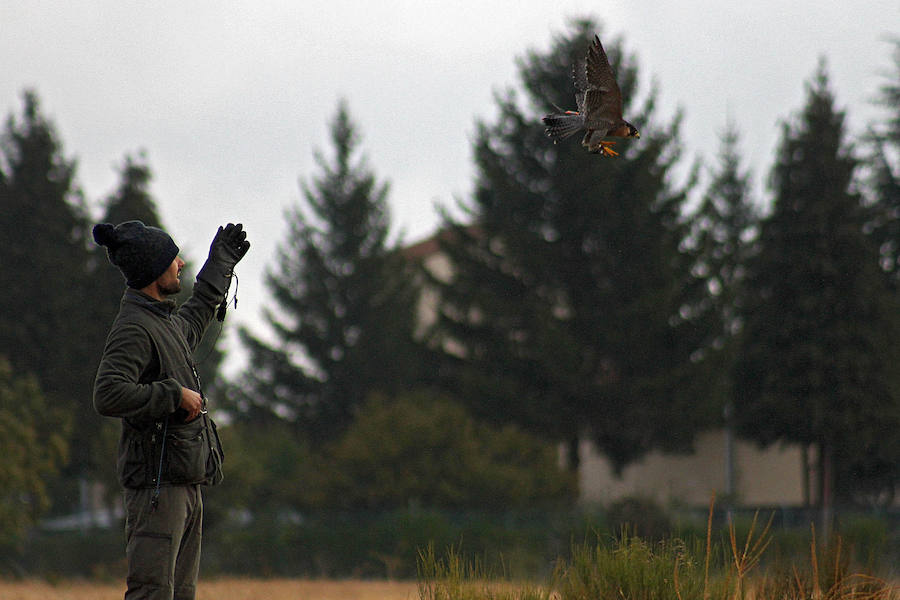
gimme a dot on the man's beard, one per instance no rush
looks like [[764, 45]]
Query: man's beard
[[170, 289]]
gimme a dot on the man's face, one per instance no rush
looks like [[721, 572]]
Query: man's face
[[170, 281]]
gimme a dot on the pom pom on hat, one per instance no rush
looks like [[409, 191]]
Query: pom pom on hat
[[105, 235]]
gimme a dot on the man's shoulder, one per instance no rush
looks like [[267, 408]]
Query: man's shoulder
[[131, 316], [134, 319], [129, 327]]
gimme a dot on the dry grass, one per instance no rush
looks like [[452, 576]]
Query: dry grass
[[222, 589]]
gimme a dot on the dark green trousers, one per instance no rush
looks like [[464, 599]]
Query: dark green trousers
[[162, 544]]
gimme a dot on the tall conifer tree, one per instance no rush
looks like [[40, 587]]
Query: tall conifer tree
[[343, 301], [44, 276], [44, 225], [722, 238], [563, 311], [819, 354], [723, 232]]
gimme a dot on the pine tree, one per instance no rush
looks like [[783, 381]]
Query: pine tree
[[817, 363], [44, 270], [722, 240], [343, 311], [44, 277], [723, 230], [563, 311]]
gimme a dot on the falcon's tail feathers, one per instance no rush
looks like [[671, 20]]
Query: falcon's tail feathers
[[561, 126]]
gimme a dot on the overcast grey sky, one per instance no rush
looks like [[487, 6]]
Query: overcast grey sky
[[229, 99]]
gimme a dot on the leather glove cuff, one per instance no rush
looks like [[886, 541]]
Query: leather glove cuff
[[217, 274]]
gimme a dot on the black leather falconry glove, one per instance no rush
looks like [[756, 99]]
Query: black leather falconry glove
[[227, 249]]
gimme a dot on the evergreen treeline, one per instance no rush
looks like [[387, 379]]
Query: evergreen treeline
[[587, 298]]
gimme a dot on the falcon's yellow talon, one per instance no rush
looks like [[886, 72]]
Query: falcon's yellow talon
[[606, 150]]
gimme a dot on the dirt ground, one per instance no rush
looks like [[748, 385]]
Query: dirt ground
[[222, 589]]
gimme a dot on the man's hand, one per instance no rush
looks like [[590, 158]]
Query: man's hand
[[191, 402], [227, 249], [230, 245]]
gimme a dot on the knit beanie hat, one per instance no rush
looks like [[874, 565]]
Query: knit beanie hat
[[142, 253]]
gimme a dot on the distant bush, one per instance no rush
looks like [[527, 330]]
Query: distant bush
[[33, 448], [867, 539], [95, 554], [639, 516], [423, 449], [418, 449], [385, 543]]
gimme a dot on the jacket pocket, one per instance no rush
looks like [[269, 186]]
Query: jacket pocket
[[186, 454]]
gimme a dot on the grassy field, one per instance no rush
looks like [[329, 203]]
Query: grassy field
[[632, 568], [222, 589], [625, 567]]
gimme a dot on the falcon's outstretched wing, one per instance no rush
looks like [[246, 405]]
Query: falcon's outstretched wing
[[603, 99]]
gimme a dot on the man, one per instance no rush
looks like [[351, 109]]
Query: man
[[147, 379]]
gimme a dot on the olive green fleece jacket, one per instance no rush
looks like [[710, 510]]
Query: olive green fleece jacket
[[146, 361]]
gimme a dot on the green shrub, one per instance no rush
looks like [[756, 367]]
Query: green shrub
[[426, 450], [866, 538], [639, 516]]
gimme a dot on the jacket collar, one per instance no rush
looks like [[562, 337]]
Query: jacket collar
[[163, 308]]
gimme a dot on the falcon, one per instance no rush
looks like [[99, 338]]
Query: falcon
[[599, 106]]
